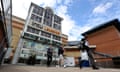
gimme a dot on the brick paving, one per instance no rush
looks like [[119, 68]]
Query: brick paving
[[19, 68]]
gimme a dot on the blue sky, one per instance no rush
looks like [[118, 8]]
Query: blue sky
[[79, 15]]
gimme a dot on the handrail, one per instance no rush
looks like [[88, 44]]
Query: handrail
[[103, 54]]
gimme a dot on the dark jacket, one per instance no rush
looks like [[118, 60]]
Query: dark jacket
[[49, 52], [60, 50], [83, 46]]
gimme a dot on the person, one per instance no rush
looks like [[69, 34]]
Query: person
[[87, 52], [49, 55], [60, 55], [84, 58]]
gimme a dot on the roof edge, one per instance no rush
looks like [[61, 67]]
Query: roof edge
[[101, 26]]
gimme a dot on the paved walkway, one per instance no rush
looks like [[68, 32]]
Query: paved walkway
[[16, 68]]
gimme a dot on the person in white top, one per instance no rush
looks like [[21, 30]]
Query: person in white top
[[86, 54]]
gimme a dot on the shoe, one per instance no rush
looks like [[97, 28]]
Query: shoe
[[95, 68], [57, 66], [64, 66]]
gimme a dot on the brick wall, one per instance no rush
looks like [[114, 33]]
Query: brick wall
[[106, 40]]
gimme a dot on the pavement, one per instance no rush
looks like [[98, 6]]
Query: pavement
[[23, 68]]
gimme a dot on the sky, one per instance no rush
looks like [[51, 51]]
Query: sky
[[78, 15]]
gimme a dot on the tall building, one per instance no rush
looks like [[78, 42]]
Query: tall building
[[106, 37], [42, 28], [5, 26]]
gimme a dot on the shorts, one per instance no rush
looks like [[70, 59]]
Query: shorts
[[61, 57]]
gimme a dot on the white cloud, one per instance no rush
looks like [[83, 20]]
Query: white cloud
[[69, 26], [102, 8], [20, 9], [67, 2]]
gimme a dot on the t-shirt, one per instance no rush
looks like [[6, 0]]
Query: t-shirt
[[84, 55]]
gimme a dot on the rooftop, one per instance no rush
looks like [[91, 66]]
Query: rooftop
[[114, 22], [73, 43]]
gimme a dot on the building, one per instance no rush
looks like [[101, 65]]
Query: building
[[5, 26], [64, 39], [106, 37], [17, 28], [42, 28], [72, 50]]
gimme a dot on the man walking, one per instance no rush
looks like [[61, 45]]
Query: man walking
[[60, 54], [49, 55]]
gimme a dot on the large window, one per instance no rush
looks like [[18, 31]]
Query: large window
[[38, 10], [56, 43], [57, 19], [48, 22], [45, 34], [37, 25], [48, 13], [56, 37], [48, 16], [30, 36], [43, 40], [36, 18], [32, 30], [56, 26]]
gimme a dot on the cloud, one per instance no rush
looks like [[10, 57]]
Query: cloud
[[69, 26], [102, 8], [20, 9]]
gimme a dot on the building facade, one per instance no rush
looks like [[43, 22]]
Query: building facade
[[5, 26], [72, 50], [42, 28], [106, 37], [17, 28], [64, 39]]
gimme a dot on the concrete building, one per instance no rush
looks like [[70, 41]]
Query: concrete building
[[42, 28], [5, 26], [106, 37]]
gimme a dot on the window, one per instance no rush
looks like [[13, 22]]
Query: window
[[30, 36], [48, 22], [32, 30], [56, 37], [37, 25], [45, 40], [36, 18], [48, 16], [56, 26], [57, 19], [38, 10], [46, 34], [56, 43]]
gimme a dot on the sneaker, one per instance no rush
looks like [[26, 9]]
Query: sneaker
[[64, 66], [95, 68], [57, 66]]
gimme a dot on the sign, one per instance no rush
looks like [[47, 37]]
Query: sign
[[52, 31], [69, 61]]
